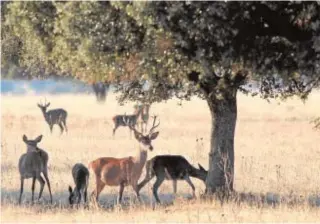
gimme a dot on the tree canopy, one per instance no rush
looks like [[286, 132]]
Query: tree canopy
[[274, 43]]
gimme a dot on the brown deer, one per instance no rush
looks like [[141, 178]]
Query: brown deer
[[54, 116], [32, 164], [123, 171]]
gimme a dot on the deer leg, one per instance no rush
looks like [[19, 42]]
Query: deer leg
[[51, 127], [174, 186], [85, 195], [156, 185], [45, 174], [120, 193], [79, 198], [135, 188], [40, 179], [145, 181], [99, 188], [187, 178], [114, 130], [32, 188], [61, 128], [65, 125], [21, 189]]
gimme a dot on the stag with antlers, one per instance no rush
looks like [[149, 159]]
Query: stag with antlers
[[123, 171], [55, 116]]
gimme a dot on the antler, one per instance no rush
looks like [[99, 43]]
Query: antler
[[40, 103], [153, 125], [45, 102]]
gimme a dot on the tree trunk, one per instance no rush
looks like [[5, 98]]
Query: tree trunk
[[223, 110]]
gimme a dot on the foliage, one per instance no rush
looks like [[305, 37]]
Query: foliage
[[275, 44]]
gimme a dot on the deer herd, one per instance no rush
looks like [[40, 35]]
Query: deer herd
[[109, 171]]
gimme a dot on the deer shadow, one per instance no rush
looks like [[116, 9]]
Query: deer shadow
[[108, 201]]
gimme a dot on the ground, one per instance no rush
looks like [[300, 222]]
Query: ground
[[277, 155]]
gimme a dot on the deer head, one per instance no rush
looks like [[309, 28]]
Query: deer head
[[145, 140], [73, 195], [202, 174], [44, 106], [32, 144]]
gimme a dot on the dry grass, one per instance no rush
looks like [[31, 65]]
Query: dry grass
[[267, 135]]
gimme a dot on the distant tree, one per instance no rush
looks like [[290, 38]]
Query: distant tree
[[208, 49]]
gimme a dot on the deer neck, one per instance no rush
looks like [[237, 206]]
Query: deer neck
[[31, 148], [44, 112], [141, 158]]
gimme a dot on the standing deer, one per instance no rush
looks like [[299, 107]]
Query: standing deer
[[55, 116], [123, 171], [32, 164], [171, 167], [126, 120], [144, 116], [80, 175]]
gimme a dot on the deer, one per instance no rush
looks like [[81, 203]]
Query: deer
[[123, 171], [80, 175], [126, 120], [144, 116], [32, 164], [55, 116], [171, 167]]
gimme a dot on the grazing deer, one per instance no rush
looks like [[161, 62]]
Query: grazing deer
[[32, 164], [123, 171], [55, 116], [126, 120], [171, 167], [80, 175]]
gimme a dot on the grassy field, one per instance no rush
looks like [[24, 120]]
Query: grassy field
[[277, 153]]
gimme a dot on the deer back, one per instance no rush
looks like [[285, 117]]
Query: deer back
[[31, 164], [80, 175]]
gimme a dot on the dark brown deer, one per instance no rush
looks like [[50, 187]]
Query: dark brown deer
[[171, 167], [123, 171], [80, 175], [126, 120], [32, 164], [55, 116]]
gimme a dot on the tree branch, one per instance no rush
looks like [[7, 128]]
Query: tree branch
[[240, 78]]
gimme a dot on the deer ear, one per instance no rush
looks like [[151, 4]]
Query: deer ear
[[38, 105], [48, 104], [24, 138], [154, 135], [70, 189], [38, 139], [201, 168]]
